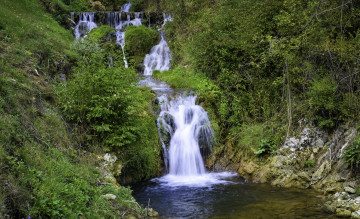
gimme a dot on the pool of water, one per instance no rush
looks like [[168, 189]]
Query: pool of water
[[233, 199]]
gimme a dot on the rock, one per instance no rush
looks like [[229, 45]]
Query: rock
[[343, 212], [349, 190], [355, 214], [319, 143], [329, 208], [321, 172], [109, 159], [352, 184], [109, 196], [355, 207], [357, 199], [291, 143]]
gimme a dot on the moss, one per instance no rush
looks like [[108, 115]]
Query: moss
[[139, 41], [101, 34]]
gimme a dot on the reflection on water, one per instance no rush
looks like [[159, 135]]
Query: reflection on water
[[233, 200]]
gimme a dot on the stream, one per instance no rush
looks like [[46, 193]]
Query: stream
[[188, 190]]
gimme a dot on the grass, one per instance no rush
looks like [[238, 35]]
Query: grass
[[43, 171]]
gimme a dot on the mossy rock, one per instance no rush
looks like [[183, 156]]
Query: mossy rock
[[139, 41], [101, 34]]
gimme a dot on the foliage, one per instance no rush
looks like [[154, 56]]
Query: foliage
[[45, 169], [101, 34], [309, 163], [266, 146], [139, 41], [323, 102], [352, 155], [106, 102]]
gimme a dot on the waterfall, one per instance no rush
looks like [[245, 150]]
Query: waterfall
[[120, 25], [186, 123], [160, 55], [85, 24]]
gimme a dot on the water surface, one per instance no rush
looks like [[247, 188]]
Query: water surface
[[234, 199]]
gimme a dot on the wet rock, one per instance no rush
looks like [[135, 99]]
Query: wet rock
[[357, 200], [355, 214], [349, 190], [343, 212], [109, 196], [329, 208]]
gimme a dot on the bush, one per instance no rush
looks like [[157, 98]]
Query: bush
[[352, 155], [139, 41], [267, 146], [112, 112], [323, 103]]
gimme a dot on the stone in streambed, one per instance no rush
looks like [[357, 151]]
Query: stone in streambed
[[343, 212], [355, 214], [349, 190]]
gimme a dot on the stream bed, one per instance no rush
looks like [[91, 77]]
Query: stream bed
[[234, 199]]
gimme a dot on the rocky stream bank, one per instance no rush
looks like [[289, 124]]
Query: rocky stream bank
[[311, 160]]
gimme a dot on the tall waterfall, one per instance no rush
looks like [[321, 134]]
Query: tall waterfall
[[186, 123], [120, 25], [160, 55]]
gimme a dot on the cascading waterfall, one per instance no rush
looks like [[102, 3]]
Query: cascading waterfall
[[160, 55], [184, 127], [86, 24], [185, 122], [120, 25]]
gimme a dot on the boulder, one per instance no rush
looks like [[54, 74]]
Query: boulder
[[349, 190], [343, 212]]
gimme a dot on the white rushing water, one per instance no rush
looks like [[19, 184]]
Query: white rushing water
[[85, 25], [120, 25], [160, 55], [190, 131]]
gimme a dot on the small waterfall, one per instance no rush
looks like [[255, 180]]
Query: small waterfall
[[85, 24], [160, 55], [186, 123], [120, 25]]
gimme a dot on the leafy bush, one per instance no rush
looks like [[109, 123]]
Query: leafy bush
[[323, 102], [267, 146], [309, 163], [352, 155], [101, 34], [113, 111]]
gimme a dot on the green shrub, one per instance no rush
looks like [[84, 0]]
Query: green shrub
[[323, 102], [113, 111], [267, 146], [139, 41], [101, 34], [352, 155], [309, 163]]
